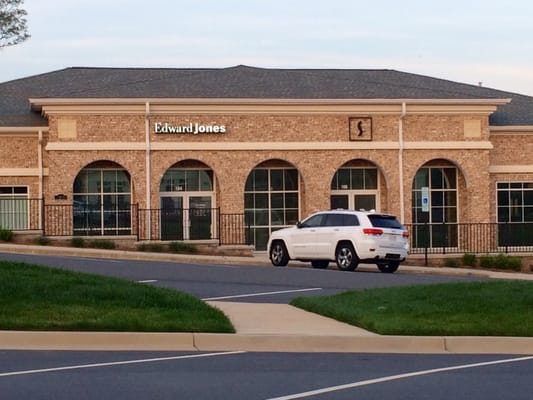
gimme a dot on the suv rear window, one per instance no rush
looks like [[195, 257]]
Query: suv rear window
[[385, 221]]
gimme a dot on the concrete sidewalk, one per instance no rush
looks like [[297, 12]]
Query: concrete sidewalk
[[259, 326]]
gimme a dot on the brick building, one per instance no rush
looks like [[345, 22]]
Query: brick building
[[172, 154]]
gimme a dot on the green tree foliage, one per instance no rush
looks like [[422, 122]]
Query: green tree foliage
[[13, 27]]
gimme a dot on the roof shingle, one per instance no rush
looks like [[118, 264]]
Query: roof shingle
[[244, 82]]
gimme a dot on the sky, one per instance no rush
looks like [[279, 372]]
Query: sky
[[487, 42]]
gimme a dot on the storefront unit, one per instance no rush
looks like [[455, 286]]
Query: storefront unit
[[185, 154]]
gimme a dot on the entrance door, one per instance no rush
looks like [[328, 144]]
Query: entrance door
[[200, 217], [172, 218], [364, 202], [186, 217], [340, 201]]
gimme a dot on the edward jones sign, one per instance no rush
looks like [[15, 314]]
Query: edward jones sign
[[192, 128]]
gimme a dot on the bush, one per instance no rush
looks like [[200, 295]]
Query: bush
[[151, 247], [180, 247], [469, 259], [102, 244], [6, 235], [501, 261], [77, 242], [41, 241], [451, 263]]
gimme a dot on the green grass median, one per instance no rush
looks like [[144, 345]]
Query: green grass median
[[495, 308], [39, 298]]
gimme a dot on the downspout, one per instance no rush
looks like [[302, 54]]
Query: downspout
[[400, 161], [41, 174], [148, 169]]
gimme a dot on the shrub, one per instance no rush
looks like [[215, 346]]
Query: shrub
[[102, 244], [41, 241], [451, 263], [6, 235], [151, 247], [77, 242], [180, 247], [469, 259], [501, 261]]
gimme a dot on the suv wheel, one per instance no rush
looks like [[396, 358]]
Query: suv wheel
[[346, 257], [278, 254], [390, 267], [320, 264]]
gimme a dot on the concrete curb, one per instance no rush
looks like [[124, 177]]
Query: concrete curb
[[133, 341]]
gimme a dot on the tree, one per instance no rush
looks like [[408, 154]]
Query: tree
[[13, 28]]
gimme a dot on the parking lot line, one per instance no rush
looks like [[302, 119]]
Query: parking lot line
[[396, 377], [111, 364], [260, 294]]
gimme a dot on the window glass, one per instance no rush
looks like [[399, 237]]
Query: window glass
[[276, 179], [371, 178], [110, 180], [422, 178], [350, 220], [94, 181], [358, 179], [291, 179], [276, 200], [450, 179], [344, 180], [384, 221], [313, 221], [123, 182], [192, 178], [436, 178], [261, 200], [334, 220], [20, 190], [206, 180], [249, 200], [260, 180], [291, 200]]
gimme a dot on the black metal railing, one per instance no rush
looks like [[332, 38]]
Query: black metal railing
[[192, 224], [477, 238], [20, 214]]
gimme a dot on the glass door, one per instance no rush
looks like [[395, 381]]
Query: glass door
[[200, 217], [340, 201], [172, 218]]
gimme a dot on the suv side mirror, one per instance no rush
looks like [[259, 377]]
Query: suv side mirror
[[299, 224]]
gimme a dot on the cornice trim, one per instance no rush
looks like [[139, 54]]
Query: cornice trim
[[247, 146]]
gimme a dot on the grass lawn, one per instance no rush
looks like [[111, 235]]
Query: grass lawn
[[39, 298], [495, 308]]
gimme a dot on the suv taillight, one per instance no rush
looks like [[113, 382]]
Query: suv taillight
[[372, 231], [405, 234]]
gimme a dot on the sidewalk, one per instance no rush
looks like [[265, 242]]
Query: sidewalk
[[259, 326]]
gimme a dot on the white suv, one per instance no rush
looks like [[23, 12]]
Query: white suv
[[345, 236]]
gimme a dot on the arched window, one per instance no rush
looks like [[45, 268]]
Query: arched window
[[187, 202], [271, 200], [102, 200], [434, 206], [355, 188]]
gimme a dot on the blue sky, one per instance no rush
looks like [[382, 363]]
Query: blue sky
[[467, 41]]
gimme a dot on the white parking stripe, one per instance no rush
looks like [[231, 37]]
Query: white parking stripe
[[147, 281], [111, 364], [260, 294], [396, 377]]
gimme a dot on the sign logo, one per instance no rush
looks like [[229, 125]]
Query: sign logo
[[192, 128], [360, 128]]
